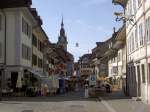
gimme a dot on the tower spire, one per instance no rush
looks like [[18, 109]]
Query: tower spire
[[62, 39], [62, 22]]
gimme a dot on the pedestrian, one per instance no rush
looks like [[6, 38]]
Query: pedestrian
[[108, 88], [86, 95]]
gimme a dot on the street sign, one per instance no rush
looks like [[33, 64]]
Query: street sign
[[92, 80]]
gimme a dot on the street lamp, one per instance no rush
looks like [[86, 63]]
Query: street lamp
[[122, 17]]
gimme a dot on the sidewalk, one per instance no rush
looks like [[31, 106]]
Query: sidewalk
[[118, 102], [114, 95]]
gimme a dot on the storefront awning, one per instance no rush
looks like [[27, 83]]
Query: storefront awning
[[35, 73]]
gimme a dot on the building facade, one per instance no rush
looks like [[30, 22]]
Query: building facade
[[85, 66], [39, 41], [138, 54], [100, 64], [22, 45], [25, 50], [117, 59], [17, 23]]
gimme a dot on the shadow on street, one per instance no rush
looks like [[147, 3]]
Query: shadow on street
[[71, 96], [115, 95]]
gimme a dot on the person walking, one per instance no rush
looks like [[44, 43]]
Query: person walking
[[108, 88]]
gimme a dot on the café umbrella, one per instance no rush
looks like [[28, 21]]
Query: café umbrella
[[19, 82]]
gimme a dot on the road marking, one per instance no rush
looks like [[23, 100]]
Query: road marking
[[110, 108]]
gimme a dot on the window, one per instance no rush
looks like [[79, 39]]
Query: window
[[139, 3], [26, 28], [119, 57], [148, 29], [141, 36], [0, 22], [128, 46], [132, 41], [34, 40], [130, 9], [136, 37], [115, 70], [26, 52], [40, 63], [34, 59], [111, 71], [40, 46], [110, 45], [143, 73], [134, 6]]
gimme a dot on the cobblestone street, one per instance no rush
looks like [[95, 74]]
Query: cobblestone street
[[73, 102]]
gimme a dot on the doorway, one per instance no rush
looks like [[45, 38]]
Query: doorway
[[14, 76], [139, 81]]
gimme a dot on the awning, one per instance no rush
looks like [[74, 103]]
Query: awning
[[35, 73]]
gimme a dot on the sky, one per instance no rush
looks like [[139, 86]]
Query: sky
[[86, 21]]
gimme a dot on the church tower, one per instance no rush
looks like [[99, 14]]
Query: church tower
[[62, 39]]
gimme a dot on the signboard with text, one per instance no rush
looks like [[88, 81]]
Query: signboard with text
[[92, 80]]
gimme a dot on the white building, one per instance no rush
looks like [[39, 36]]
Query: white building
[[138, 48], [16, 25], [39, 48], [117, 59], [85, 66]]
